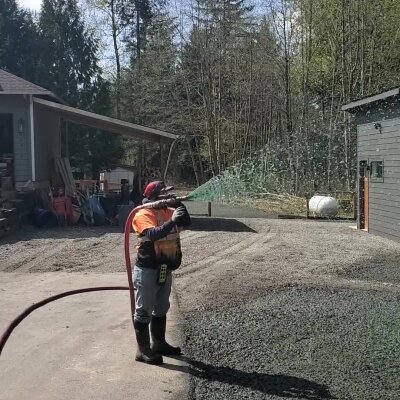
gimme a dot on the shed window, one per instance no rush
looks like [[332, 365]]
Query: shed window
[[377, 171]]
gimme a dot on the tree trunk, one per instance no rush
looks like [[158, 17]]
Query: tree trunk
[[193, 160], [114, 29]]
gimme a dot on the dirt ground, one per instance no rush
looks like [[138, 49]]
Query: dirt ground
[[272, 308]]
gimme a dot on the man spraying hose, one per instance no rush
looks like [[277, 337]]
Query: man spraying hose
[[158, 254]]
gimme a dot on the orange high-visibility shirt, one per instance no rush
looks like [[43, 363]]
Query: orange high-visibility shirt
[[151, 254]]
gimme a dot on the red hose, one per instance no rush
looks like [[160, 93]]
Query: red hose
[[127, 232], [26, 312]]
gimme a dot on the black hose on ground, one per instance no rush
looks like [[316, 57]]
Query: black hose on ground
[[35, 306]]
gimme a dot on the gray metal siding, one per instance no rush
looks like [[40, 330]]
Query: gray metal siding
[[384, 197], [18, 105]]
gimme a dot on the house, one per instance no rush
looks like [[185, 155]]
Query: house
[[34, 131], [378, 159]]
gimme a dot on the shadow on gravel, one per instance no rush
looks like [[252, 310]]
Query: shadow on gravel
[[28, 232], [210, 224], [380, 268], [273, 384]]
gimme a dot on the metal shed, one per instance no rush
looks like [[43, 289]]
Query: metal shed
[[378, 159]]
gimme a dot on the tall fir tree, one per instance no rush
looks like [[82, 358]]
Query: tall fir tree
[[69, 50], [71, 61], [19, 41]]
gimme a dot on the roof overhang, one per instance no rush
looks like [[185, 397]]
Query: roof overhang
[[44, 93], [372, 99], [39, 93], [108, 124]]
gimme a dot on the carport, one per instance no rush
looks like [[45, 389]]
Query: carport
[[34, 131], [50, 116]]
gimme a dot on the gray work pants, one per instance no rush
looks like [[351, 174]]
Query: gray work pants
[[151, 298]]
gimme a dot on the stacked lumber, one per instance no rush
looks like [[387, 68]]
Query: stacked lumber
[[64, 168]]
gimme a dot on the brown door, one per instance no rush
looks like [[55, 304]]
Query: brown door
[[366, 202], [363, 194]]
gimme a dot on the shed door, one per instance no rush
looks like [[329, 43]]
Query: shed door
[[364, 194]]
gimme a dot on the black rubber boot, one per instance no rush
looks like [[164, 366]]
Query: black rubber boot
[[159, 345], [144, 353]]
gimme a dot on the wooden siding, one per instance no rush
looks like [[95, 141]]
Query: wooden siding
[[19, 107], [384, 197]]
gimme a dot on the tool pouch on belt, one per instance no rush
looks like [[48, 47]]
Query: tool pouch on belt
[[162, 274]]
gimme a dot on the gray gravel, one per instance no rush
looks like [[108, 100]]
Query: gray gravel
[[298, 343], [290, 309], [376, 269], [228, 262], [272, 308], [70, 249]]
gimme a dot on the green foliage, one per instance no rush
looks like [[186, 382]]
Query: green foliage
[[136, 17], [91, 149], [265, 172], [69, 50], [259, 91], [148, 88], [19, 40], [72, 71]]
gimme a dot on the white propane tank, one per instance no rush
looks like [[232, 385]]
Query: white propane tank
[[325, 206]]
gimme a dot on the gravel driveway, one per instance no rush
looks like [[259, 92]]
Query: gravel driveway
[[290, 309], [271, 308]]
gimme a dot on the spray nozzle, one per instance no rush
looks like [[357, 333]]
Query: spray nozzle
[[165, 202], [166, 196]]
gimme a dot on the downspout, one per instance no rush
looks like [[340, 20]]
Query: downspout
[[66, 139], [32, 138]]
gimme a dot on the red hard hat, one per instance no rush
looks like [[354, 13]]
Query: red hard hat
[[155, 188]]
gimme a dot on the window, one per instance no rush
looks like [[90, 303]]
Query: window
[[376, 171]]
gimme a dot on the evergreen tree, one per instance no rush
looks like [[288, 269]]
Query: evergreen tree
[[69, 50], [73, 73], [19, 41], [150, 99], [136, 17], [126, 23], [91, 149], [149, 86]]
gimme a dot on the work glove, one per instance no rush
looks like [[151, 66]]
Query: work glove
[[184, 220], [178, 214]]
